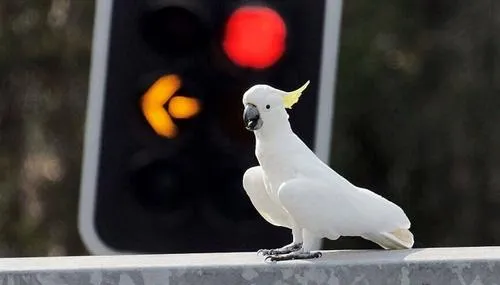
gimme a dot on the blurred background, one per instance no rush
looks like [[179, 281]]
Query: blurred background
[[415, 117]]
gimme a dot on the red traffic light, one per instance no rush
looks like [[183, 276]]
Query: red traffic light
[[255, 37]]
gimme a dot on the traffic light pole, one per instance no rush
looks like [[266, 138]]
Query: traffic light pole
[[328, 75], [95, 103]]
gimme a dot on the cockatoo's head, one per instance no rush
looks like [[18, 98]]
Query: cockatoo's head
[[265, 105]]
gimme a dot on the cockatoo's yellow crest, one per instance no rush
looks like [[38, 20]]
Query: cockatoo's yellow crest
[[293, 97]]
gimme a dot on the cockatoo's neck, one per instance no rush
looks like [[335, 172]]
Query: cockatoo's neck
[[273, 129]]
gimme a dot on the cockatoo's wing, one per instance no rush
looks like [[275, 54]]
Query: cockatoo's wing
[[253, 183], [339, 209]]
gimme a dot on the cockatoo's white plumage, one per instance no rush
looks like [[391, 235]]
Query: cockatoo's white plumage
[[293, 188]]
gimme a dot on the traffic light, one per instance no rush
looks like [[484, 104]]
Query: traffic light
[[165, 145]]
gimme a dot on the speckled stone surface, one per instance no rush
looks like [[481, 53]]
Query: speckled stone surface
[[461, 266]]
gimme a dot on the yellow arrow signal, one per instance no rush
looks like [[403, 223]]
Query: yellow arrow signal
[[180, 107], [153, 101]]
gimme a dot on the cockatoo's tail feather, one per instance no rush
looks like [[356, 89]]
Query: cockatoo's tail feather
[[399, 239]]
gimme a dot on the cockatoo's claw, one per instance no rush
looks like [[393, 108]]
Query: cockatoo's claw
[[284, 250], [270, 258], [267, 252], [263, 252], [294, 247], [293, 255]]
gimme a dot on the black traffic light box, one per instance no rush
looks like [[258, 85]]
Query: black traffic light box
[[165, 146]]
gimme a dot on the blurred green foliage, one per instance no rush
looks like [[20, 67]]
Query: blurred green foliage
[[415, 117], [44, 66], [417, 113]]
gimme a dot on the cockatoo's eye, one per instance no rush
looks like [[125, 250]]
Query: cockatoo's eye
[[268, 106]]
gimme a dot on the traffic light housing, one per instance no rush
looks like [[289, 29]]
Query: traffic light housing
[[165, 146]]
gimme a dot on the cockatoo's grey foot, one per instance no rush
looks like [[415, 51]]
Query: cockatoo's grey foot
[[293, 255], [283, 250]]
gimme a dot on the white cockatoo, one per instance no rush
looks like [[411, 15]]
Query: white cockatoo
[[293, 188]]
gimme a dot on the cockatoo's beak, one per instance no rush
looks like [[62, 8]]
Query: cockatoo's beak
[[251, 117]]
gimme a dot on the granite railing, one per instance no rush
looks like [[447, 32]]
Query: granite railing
[[461, 266]]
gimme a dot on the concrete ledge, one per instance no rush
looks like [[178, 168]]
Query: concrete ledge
[[461, 266]]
